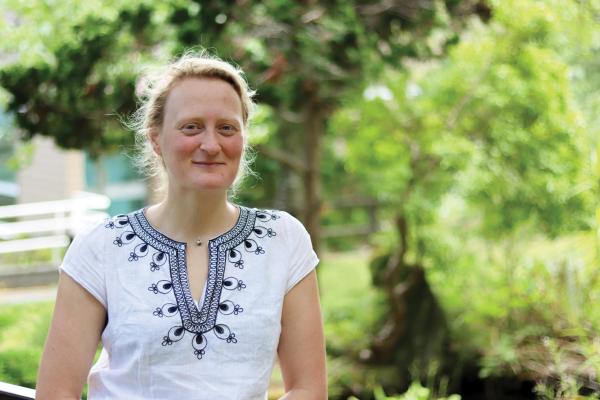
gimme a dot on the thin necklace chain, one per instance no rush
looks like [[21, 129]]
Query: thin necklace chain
[[200, 242]]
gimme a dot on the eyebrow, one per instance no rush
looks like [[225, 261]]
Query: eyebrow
[[185, 118]]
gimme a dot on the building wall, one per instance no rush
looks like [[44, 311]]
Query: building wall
[[114, 176], [57, 174], [53, 174]]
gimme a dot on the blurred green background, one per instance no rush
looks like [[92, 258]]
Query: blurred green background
[[443, 155]]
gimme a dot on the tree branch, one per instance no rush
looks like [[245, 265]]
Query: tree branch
[[283, 158]]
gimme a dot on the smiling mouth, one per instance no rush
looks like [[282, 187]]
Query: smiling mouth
[[207, 163]]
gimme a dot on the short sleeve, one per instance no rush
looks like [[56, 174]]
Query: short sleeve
[[302, 259], [83, 262]]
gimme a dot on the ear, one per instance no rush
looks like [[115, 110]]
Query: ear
[[153, 135]]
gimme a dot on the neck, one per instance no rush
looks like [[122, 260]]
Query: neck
[[188, 217]]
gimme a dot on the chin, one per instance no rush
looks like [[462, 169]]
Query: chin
[[211, 185]]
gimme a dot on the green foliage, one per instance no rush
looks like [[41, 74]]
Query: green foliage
[[81, 79], [73, 64], [508, 301], [496, 119], [23, 330], [566, 384], [415, 392], [487, 154], [31, 258], [349, 305], [488, 146]]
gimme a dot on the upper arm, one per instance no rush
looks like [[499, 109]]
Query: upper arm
[[302, 345], [73, 338]]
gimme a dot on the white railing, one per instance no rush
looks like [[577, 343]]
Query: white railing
[[9, 391], [48, 224]]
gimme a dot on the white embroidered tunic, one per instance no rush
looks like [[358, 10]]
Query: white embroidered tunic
[[158, 342]]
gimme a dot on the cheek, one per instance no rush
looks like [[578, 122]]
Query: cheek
[[184, 145], [233, 147]]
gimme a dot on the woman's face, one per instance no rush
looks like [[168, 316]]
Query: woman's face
[[202, 136]]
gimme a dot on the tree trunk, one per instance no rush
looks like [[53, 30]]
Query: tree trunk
[[315, 129], [414, 336]]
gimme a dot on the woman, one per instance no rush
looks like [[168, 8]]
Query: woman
[[193, 297]]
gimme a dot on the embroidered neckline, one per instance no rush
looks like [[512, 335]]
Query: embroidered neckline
[[224, 249], [166, 238], [195, 317]]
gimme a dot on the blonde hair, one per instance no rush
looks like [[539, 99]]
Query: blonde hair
[[153, 89]]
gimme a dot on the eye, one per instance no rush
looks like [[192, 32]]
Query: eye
[[228, 129], [190, 128]]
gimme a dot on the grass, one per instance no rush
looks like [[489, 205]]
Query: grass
[[23, 330], [32, 258], [349, 302]]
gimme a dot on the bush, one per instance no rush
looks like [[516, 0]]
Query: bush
[[23, 330]]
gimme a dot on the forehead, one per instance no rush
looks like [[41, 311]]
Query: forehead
[[203, 96]]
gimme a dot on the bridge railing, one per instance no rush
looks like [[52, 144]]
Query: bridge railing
[[48, 224], [41, 231], [9, 392]]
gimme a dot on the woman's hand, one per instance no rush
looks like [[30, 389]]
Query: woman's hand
[[72, 341], [302, 344]]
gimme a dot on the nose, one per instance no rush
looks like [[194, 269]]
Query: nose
[[210, 143]]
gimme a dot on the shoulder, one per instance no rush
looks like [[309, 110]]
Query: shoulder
[[279, 216], [289, 227], [93, 233], [90, 229], [267, 215], [119, 220]]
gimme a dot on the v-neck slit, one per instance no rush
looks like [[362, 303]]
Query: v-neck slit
[[196, 316]]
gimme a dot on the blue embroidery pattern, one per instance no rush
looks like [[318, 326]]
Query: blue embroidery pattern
[[227, 247]]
